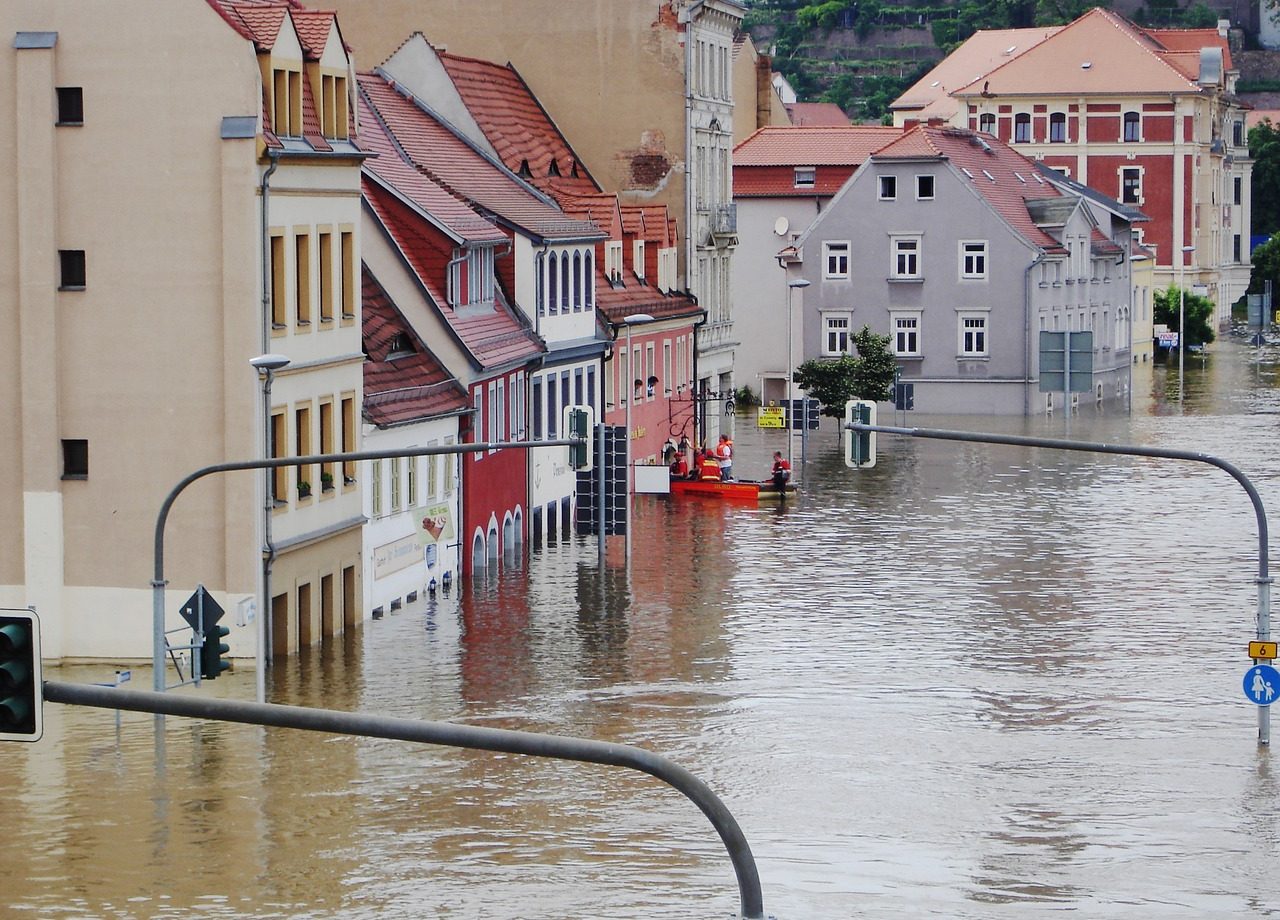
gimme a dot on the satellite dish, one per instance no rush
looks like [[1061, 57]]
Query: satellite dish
[[780, 226]]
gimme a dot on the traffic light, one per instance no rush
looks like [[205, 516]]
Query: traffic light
[[580, 422], [21, 688], [212, 647], [859, 446]]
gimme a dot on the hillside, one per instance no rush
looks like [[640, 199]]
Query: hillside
[[861, 54]]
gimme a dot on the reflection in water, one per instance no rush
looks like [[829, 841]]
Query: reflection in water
[[971, 682]]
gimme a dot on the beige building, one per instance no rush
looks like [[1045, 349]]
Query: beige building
[[646, 92], [133, 293]]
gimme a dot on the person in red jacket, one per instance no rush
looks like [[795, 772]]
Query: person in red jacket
[[781, 470]]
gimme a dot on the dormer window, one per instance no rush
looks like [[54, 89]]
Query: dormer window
[[806, 176], [333, 106], [613, 261], [471, 281], [286, 102], [401, 347], [554, 168], [524, 172], [637, 258]]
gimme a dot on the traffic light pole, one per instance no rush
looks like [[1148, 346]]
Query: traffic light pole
[[450, 734], [158, 582], [1263, 579]]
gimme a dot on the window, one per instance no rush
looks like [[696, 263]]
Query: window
[[325, 241], [302, 275], [552, 414], [888, 188], [973, 259], [279, 475], [302, 447], [395, 484], [286, 109], [973, 335], [70, 105], [906, 257], [71, 269], [637, 265], [612, 261], [835, 334], [433, 475], [1058, 128], [1237, 190], [924, 187], [835, 258], [349, 438], [987, 123], [1131, 186], [538, 433], [1131, 123], [553, 282], [1235, 247], [333, 104], [75, 458], [326, 444], [577, 282], [1022, 128], [279, 306], [448, 470], [348, 268], [806, 177], [1237, 133], [375, 488], [906, 334]]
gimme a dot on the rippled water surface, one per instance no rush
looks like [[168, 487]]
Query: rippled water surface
[[974, 681]]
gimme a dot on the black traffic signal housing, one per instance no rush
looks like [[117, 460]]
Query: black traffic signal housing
[[212, 648], [859, 446], [579, 422], [21, 683]]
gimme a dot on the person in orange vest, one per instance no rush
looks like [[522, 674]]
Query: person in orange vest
[[709, 470], [724, 454]]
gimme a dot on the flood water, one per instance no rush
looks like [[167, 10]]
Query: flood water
[[975, 681]]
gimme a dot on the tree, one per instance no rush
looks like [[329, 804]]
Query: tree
[[1266, 267], [1197, 315], [867, 375], [1264, 148]]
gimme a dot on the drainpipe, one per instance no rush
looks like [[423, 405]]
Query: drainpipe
[[1026, 331], [268, 504], [699, 409]]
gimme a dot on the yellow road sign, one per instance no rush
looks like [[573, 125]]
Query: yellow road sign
[[771, 417], [1265, 650]]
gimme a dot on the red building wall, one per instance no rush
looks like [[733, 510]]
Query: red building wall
[[493, 484]]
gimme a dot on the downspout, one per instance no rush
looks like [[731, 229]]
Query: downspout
[[1026, 331], [268, 502], [699, 407]]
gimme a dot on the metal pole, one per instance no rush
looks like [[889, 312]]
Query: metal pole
[[450, 734], [1182, 299], [1263, 579], [158, 580], [631, 395], [791, 407], [600, 492]]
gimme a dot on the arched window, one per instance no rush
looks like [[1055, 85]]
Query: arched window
[[591, 280], [1058, 128], [577, 282], [477, 555], [553, 283], [564, 282], [987, 123], [1022, 128], [1131, 123]]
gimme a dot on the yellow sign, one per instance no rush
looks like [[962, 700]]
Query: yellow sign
[[1265, 650], [771, 417]]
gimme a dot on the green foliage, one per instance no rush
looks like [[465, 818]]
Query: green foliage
[[1264, 148], [1266, 267], [745, 396], [867, 375], [1197, 314]]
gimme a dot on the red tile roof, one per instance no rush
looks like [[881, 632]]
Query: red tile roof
[[791, 145], [816, 114], [1100, 52], [393, 170], [495, 338], [408, 387], [1000, 175], [257, 20], [527, 141], [462, 169]]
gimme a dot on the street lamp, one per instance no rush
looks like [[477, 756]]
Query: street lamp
[[635, 319], [796, 284], [1182, 300], [266, 366]]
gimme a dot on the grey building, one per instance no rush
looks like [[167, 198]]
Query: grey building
[[962, 251]]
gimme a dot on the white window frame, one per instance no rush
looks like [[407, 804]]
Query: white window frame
[[837, 324], [983, 333], [933, 187], [1135, 169], [900, 321], [806, 177], [613, 260], [974, 259], [831, 252], [1019, 120], [908, 247], [887, 188], [987, 123]]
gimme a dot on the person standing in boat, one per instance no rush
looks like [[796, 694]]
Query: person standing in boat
[[709, 468], [724, 454], [781, 470]]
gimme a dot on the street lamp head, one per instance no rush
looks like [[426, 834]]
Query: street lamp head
[[269, 362], [798, 283]]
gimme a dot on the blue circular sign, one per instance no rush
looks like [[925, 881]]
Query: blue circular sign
[[1262, 684]]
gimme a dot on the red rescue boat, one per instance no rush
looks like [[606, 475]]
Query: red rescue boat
[[743, 490]]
